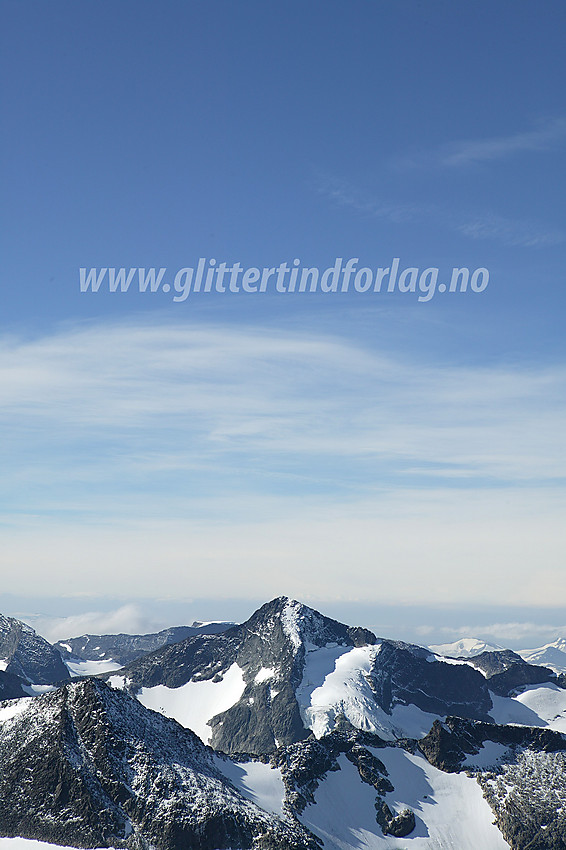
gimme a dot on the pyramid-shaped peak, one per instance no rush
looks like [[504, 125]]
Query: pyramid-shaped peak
[[304, 626]]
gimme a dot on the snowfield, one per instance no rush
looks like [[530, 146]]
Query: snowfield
[[258, 782], [491, 755], [77, 667], [194, 704], [540, 705], [322, 695], [450, 811], [465, 648]]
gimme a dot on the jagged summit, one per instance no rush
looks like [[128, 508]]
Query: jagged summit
[[303, 626], [258, 667]]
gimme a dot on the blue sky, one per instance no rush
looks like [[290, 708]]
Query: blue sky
[[347, 449]]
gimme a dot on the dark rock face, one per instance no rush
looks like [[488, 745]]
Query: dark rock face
[[449, 742], [518, 676], [29, 656], [124, 648], [270, 649], [506, 672], [371, 769], [445, 750], [402, 674], [90, 767], [11, 687], [398, 825]]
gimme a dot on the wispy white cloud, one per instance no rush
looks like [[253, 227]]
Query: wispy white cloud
[[476, 225], [134, 399], [548, 135], [127, 619], [211, 459], [508, 231]]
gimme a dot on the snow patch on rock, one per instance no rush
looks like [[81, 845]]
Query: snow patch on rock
[[264, 674], [13, 708]]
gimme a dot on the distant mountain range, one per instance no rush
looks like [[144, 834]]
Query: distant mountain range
[[121, 649], [291, 730], [552, 655], [465, 648]]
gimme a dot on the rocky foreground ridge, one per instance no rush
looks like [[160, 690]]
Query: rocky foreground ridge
[[88, 766]]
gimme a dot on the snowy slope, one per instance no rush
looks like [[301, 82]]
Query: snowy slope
[[450, 811], [535, 706], [258, 782], [194, 703], [78, 667]]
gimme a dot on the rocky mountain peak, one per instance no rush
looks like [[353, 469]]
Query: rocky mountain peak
[[303, 627], [506, 671], [26, 654]]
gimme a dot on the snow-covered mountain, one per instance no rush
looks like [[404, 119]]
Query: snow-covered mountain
[[465, 648], [551, 655], [289, 670], [27, 655], [244, 678]]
